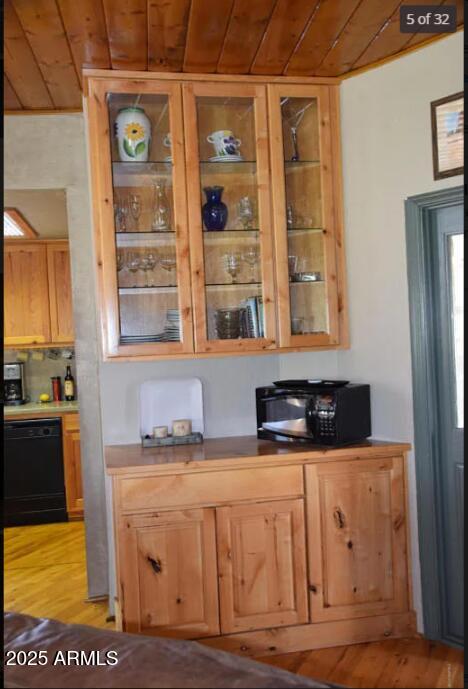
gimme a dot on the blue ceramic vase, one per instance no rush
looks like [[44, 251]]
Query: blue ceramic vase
[[214, 211]]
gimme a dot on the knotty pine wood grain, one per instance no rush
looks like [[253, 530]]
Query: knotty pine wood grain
[[20, 64], [85, 27], [43, 26]]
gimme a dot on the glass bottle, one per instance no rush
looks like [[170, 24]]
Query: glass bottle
[[69, 386], [161, 218]]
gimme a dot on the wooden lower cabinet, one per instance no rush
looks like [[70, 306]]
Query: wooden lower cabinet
[[168, 573], [72, 465], [357, 530], [326, 564], [262, 565]]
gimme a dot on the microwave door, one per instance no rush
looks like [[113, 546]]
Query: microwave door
[[296, 428]]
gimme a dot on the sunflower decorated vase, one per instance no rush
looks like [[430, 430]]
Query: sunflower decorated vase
[[132, 129]]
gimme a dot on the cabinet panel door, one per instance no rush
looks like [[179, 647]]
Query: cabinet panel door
[[72, 464], [230, 230], [168, 574], [356, 539], [304, 215], [138, 175], [262, 565], [60, 292], [26, 294]]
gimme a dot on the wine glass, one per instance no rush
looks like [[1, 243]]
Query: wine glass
[[151, 262], [135, 209], [120, 262], [251, 257], [246, 212], [145, 267], [168, 262], [233, 264], [121, 213], [134, 266]]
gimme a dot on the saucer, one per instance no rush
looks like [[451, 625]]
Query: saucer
[[168, 159], [226, 159]]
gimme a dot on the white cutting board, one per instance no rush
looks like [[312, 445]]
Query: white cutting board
[[166, 399]]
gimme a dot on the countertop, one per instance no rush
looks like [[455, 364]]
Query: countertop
[[243, 451], [32, 408]]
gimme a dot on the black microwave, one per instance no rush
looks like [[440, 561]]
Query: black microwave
[[324, 412]]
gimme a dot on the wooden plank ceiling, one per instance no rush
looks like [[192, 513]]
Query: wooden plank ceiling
[[48, 42]]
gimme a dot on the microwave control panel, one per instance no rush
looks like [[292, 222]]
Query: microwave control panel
[[324, 410]]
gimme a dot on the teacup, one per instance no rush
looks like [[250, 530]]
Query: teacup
[[167, 141], [224, 142]]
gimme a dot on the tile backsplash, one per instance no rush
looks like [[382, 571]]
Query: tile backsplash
[[38, 373]]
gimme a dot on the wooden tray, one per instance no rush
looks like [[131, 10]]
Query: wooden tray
[[173, 440]]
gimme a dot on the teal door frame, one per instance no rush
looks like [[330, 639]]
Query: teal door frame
[[420, 211]]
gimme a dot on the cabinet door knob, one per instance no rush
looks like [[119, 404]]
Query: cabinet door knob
[[155, 564]]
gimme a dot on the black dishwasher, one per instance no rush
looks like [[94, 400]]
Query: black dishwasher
[[34, 486]]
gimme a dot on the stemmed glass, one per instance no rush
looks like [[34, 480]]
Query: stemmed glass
[[120, 262], [233, 264], [151, 262], [168, 262], [135, 209], [251, 257], [246, 212], [144, 267], [121, 213], [134, 266]]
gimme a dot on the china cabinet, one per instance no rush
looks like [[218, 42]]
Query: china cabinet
[[217, 213]]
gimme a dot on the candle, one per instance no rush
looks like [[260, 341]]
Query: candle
[[160, 432], [181, 427]]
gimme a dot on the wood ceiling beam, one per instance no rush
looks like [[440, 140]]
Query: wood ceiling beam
[[44, 30], [167, 33], [85, 26], [20, 64], [127, 29], [208, 23], [285, 28], [247, 25], [323, 28]]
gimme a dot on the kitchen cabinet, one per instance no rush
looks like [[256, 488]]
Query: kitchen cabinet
[[72, 465], [217, 214], [26, 297], [37, 293], [60, 292], [168, 573], [302, 548], [261, 554], [356, 522]]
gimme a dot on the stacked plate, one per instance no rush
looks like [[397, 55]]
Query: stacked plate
[[229, 158], [172, 328]]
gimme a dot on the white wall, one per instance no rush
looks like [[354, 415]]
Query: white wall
[[387, 156], [228, 393]]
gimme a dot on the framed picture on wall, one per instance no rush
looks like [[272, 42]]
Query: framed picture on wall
[[447, 136]]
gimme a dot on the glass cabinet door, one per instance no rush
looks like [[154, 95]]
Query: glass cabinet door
[[145, 245], [301, 156], [229, 214]]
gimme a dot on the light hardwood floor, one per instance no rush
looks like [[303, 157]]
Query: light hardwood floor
[[45, 576]]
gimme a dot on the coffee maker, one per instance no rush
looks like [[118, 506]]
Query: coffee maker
[[14, 392]]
